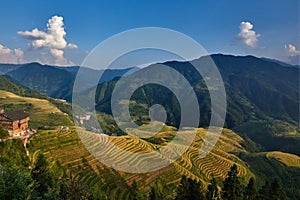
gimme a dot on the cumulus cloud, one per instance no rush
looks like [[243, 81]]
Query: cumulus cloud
[[53, 39], [292, 50], [293, 54], [247, 35], [59, 56], [12, 56]]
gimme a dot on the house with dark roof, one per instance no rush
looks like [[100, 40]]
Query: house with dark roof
[[15, 122]]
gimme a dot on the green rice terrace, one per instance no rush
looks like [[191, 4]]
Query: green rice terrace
[[67, 148]]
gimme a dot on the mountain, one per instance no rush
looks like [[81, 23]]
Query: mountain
[[259, 92], [56, 82], [4, 68], [279, 62], [10, 85]]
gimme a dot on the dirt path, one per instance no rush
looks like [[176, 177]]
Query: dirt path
[[25, 146]]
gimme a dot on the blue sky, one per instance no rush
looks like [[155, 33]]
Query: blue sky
[[213, 24]]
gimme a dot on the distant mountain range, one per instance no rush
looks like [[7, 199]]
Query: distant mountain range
[[54, 81]]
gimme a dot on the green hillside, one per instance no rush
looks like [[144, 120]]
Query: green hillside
[[262, 99]]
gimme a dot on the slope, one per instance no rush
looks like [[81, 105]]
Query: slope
[[258, 92], [43, 114], [57, 82]]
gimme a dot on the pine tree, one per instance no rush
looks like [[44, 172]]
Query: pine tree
[[189, 189], [250, 192], [212, 191], [42, 175], [232, 188], [265, 191], [183, 189], [195, 190], [276, 190], [152, 195], [134, 195]]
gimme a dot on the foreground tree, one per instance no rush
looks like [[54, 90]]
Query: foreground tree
[[189, 189], [43, 177], [74, 190], [134, 192], [212, 190], [250, 192], [276, 191], [232, 188], [265, 191], [153, 194], [15, 183], [3, 133]]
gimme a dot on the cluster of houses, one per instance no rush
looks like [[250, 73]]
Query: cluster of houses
[[15, 122]]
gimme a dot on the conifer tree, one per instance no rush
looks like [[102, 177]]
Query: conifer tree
[[189, 189], [250, 192], [232, 188], [212, 191], [42, 175], [276, 190], [134, 195], [265, 191]]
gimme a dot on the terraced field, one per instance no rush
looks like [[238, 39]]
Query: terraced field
[[290, 160], [42, 112], [67, 148]]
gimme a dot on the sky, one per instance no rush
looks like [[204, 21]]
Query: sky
[[65, 32]]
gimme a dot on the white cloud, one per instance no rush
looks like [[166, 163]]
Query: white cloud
[[293, 56], [53, 39], [292, 50], [247, 35], [59, 56], [12, 56]]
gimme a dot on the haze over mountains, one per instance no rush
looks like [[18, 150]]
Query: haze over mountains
[[54, 81]]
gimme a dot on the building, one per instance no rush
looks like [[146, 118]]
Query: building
[[15, 122]]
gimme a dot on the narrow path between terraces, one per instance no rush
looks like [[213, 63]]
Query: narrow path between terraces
[[25, 146]]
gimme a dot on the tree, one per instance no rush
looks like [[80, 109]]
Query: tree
[[156, 192], [250, 192], [42, 175], [183, 189], [265, 191], [276, 190], [3, 133], [195, 190], [232, 188], [212, 190], [189, 189], [71, 189], [15, 183], [153, 194], [134, 195]]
